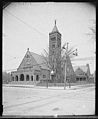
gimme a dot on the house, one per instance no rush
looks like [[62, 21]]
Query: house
[[82, 72]]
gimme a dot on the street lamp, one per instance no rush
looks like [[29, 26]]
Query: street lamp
[[51, 75], [75, 52]]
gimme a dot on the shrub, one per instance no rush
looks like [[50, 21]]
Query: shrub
[[6, 77]]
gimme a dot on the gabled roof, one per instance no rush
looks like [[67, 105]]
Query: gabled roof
[[79, 71], [84, 68], [28, 62], [40, 60]]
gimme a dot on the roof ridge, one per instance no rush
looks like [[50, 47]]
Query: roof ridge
[[35, 53]]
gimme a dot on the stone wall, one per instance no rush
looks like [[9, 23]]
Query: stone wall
[[42, 74]]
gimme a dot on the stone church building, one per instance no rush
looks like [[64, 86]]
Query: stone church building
[[33, 68]]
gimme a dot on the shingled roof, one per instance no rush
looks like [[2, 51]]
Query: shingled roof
[[40, 60], [35, 60], [79, 71], [84, 68]]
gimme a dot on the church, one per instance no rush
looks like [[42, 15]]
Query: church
[[33, 68]]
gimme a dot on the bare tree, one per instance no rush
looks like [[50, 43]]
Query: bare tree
[[6, 77], [64, 53], [46, 56], [92, 33], [67, 55]]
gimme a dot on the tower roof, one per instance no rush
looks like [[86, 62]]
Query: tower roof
[[55, 29]]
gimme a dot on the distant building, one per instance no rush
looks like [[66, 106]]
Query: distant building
[[82, 73], [93, 77]]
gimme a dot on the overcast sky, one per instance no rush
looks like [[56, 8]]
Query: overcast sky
[[27, 25]]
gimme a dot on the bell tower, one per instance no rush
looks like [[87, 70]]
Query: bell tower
[[55, 52]]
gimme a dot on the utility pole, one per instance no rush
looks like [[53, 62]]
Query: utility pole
[[65, 62], [65, 74], [47, 82]]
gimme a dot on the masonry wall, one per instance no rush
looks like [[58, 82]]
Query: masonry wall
[[55, 54], [43, 75]]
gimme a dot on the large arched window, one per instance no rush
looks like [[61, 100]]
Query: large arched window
[[37, 77], [21, 77], [31, 78], [27, 77], [16, 78]]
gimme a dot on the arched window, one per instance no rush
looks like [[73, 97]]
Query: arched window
[[80, 79], [27, 77], [16, 78], [77, 79], [31, 78], [21, 77], [37, 77]]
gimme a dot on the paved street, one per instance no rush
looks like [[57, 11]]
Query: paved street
[[78, 100]]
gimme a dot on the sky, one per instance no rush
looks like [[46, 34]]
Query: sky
[[27, 25]]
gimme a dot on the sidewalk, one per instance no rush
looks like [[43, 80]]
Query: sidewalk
[[53, 87], [18, 85]]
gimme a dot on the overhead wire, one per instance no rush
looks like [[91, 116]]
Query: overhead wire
[[38, 32], [31, 27], [86, 58], [46, 63]]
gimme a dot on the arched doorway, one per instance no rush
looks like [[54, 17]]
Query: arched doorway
[[27, 77], [16, 78], [31, 78], [21, 77], [37, 77]]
